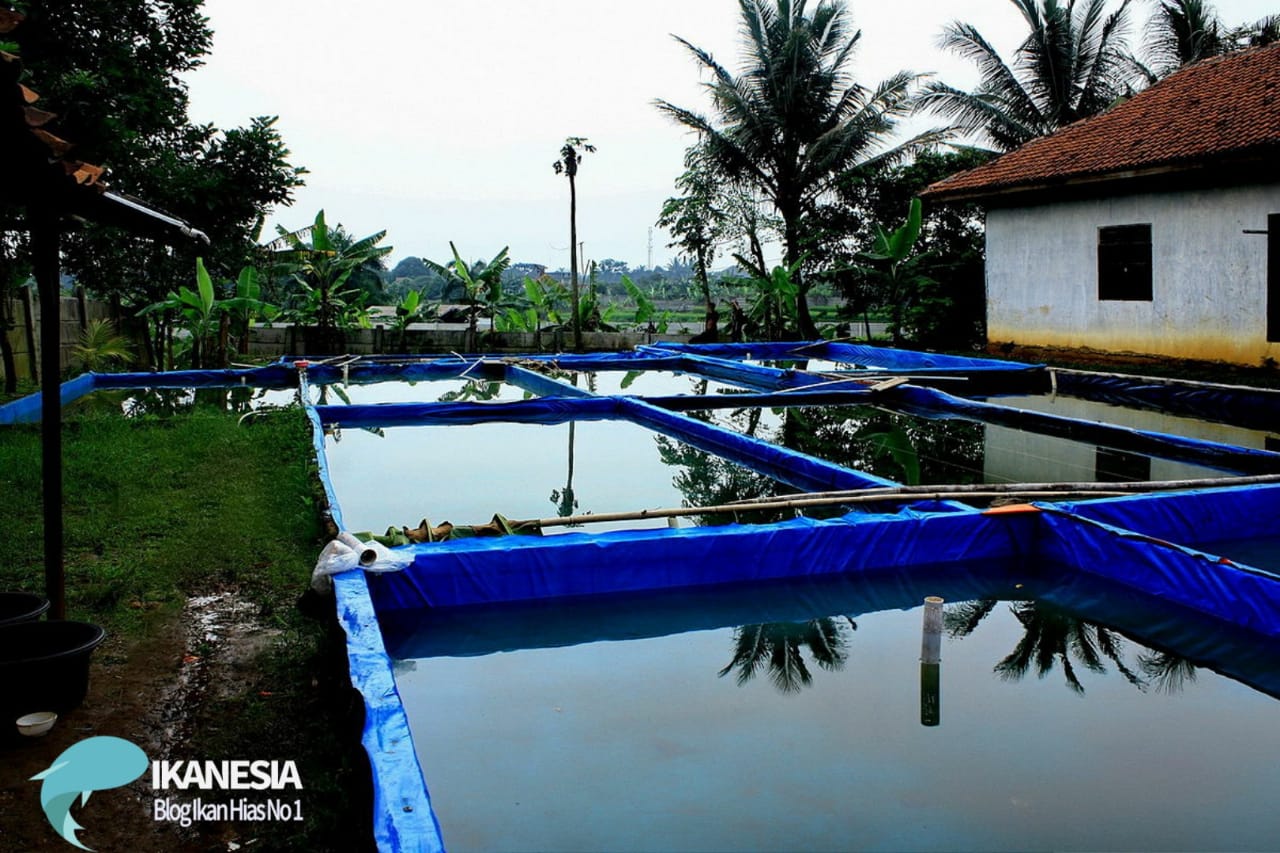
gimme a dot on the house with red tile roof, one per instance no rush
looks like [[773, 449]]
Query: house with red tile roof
[[1151, 228]]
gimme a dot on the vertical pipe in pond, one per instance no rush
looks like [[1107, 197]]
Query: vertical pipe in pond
[[931, 663]]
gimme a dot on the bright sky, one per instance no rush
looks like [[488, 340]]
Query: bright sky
[[440, 121]]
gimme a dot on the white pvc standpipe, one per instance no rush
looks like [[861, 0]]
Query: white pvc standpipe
[[931, 663]]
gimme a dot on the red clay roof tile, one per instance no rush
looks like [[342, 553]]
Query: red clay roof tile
[[1216, 110]]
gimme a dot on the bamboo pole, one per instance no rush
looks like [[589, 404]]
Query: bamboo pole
[[801, 503], [1081, 487], [1021, 491]]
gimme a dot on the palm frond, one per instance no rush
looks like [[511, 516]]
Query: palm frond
[[962, 619]]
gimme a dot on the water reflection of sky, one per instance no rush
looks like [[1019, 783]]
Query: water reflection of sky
[[465, 474], [425, 391], [649, 383], [614, 745]]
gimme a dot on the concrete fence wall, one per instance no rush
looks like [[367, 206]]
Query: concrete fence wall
[[440, 340], [74, 315], [76, 312]]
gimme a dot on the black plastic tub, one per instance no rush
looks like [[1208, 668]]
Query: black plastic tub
[[44, 666], [18, 607]]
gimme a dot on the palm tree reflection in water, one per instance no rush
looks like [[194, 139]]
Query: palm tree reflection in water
[[1052, 635], [777, 647]]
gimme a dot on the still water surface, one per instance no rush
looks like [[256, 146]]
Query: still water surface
[[590, 731]]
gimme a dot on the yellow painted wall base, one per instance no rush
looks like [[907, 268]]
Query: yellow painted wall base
[[1250, 353]]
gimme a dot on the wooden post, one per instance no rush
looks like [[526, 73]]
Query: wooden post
[[45, 247], [29, 327], [82, 302], [931, 663]]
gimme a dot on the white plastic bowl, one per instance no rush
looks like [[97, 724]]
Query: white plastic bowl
[[37, 724]]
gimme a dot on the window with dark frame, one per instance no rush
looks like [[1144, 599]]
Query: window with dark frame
[[1124, 262], [1119, 466]]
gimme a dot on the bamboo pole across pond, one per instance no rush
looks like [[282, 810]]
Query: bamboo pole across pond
[[885, 494]]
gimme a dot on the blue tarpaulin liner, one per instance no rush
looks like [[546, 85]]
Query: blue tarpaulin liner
[[1162, 625], [783, 464], [882, 358], [1256, 408], [362, 373], [547, 386], [1198, 517], [271, 376], [461, 572], [550, 623], [27, 409], [931, 402], [539, 410], [402, 815], [1234, 594]]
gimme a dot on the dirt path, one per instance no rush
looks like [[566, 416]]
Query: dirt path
[[148, 690]]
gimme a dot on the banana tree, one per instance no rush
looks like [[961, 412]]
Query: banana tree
[[480, 284], [773, 304], [893, 270], [320, 267], [241, 311], [541, 303], [647, 315], [410, 309], [195, 310]]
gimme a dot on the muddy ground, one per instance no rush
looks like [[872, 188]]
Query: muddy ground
[[191, 672]]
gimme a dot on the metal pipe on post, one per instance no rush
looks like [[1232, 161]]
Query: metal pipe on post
[[931, 663], [45, 249]]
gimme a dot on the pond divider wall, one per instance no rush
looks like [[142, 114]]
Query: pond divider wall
[[1255, 408]]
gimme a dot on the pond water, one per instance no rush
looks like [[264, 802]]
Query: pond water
[[424, 391], [914, 450], [1146, 419], [789, 716], [174, 401], [649, 383], [465, 474], [168, 402]]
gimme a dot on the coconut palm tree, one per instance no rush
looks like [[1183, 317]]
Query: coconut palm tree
[[793, 119], [776, 647], [1073, 64], [1181, 32], [1054, 634], [1050, 634]]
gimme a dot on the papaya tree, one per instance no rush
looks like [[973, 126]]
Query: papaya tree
[[570, 157]]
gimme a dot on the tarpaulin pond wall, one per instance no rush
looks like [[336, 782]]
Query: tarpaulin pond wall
[[1160, 546]]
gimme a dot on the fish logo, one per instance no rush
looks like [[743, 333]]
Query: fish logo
[[93, 764]]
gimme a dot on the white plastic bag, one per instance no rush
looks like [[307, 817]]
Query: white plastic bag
[[346, 552]]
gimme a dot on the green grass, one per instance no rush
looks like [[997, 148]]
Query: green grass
[[155, 510]]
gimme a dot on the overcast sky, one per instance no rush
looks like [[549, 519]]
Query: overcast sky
[[440, 121]]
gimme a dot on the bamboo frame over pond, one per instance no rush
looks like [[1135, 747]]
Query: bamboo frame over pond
[[898, 494]]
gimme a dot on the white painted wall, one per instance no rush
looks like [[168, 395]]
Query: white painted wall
[[1208, 278]]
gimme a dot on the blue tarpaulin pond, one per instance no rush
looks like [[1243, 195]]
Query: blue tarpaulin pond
[[900, 479]]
